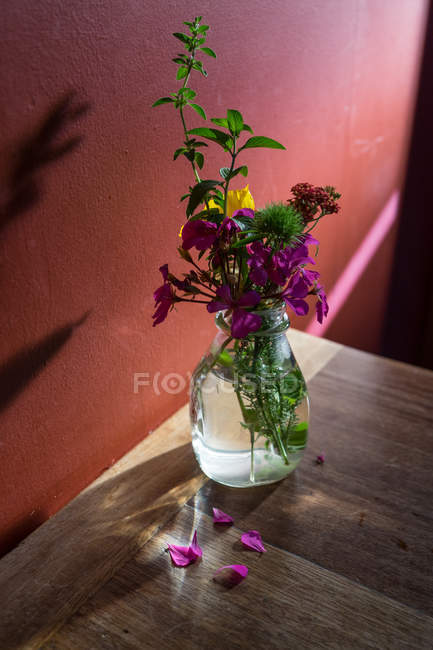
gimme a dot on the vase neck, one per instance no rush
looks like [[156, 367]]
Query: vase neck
[[274, 320]]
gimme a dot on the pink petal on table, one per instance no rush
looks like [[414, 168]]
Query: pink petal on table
[[194, 547], [252, 539], [181, 555], [220, 517], [320, 459], [231, 574], [184, 555]]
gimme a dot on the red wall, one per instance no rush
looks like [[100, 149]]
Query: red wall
[[85, 223]]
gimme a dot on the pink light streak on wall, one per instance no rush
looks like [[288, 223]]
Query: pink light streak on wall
[[358, 263]]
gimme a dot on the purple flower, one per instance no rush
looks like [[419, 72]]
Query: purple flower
[[198, 233], [227, 229], [294, 294], [243, 212], [259, 257], [164, 297], [280, 266], [243, 322], [322, 306], [309, 239], [164, 272], [285, 261]]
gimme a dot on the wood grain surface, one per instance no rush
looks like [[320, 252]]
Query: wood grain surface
[[350, 542], [285, 602], [367, 512]]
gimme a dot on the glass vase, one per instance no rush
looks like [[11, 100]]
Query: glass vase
[[249, 404]]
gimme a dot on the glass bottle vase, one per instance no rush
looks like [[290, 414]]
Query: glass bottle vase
[[249, 405]]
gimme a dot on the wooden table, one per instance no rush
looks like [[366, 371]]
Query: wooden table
[[349, 543]]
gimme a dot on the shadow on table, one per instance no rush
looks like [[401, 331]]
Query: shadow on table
[[76, 551]]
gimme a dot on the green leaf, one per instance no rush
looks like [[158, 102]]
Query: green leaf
[[198, 109], [183, 37], [198, 65], [202, 28], [225, 359], [163, 100], [247, 128], [187, 93], [250, 416], [208, 51], [261, 141], [240, 170], [235, 121], [180, 60], [221, 138], [178, 152], [213, 215], [185, 196], [220, 121], [244, 223], [181, 73], [225, 172], [198, 193], [247, 240], [199, 159]]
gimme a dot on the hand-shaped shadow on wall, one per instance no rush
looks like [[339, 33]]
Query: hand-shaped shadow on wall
[[25, 366], [23, 189]]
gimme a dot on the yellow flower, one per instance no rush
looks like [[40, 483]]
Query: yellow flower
[[236, 200]]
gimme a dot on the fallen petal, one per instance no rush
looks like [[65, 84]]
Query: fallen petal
[[220, 517], [181, 555], [320, 459], [194, 547], [184, 555], [252, 539], [231, 574]]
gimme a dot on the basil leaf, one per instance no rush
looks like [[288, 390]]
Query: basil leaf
[[235, 121], [198, 109], [163, 100], [208, 51], [261, 141], [198, 193]]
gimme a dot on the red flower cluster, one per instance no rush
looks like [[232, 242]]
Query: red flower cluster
[[308, 199]]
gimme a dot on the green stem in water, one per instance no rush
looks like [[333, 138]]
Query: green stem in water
[[261, 402], [251, 430]]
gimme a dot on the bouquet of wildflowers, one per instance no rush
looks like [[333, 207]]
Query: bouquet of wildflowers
[[245, 257], [242, 260]]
